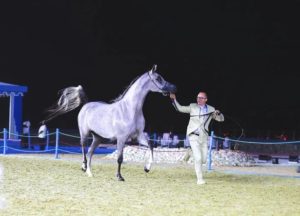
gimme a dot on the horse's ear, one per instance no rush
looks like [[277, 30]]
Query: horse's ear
[[154, 68]]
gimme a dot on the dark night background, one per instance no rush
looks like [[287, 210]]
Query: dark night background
[[244, 54]]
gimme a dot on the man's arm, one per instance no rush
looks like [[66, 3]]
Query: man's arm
[[183, 109]]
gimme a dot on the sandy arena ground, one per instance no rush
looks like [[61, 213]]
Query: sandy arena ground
[[284, 170], [2, 200]]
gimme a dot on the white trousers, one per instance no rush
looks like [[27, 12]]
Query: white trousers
[[199, 145]]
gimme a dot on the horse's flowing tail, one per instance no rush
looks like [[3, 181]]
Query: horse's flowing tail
[[70, 99]]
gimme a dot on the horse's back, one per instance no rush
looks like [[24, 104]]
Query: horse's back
[[92, 107]]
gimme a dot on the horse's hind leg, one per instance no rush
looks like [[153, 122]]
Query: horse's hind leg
[[120, 146], [84, 161], [94, 145]]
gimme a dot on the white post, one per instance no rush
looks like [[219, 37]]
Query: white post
[[56, 143]]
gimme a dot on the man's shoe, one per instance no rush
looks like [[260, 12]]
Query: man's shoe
[[201, 182]]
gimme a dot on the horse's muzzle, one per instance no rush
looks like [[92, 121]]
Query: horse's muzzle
[[169, 88]]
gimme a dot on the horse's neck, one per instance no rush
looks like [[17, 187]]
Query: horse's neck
[[137, 93]]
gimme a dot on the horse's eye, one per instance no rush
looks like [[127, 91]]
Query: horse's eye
[[159, 79]]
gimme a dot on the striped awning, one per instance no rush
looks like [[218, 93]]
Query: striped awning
[[7, 89]]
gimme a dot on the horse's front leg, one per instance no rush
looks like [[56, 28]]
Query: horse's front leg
[[120, 147], [149, 158]]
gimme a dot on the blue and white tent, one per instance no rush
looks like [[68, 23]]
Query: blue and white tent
[[15, 93]]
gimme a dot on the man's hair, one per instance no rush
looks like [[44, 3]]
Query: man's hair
[[203, 92]]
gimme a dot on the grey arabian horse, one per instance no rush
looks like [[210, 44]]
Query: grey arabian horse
[[121, 120]]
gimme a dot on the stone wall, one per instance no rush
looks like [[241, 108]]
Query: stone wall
[[183, 155]]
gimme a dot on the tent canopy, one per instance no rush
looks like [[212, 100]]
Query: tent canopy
[[6, 89], [15, 92]]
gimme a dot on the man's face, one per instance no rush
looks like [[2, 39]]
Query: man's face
[[201, 99]]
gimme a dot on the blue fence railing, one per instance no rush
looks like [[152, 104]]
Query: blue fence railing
[[57, 145], [45, 145]]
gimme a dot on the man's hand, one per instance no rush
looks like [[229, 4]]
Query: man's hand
[[172, 96], [217, 112]]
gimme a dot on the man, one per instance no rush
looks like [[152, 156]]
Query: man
[[197, 130], [42, 130], [42, 133]]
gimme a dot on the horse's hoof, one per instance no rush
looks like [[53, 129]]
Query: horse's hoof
[[83, 168], [146, 170], [89, 173], [120, 178]]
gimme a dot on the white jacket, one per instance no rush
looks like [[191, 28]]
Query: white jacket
[[195, 117]]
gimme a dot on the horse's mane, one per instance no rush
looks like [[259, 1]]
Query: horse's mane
[[120, 97]]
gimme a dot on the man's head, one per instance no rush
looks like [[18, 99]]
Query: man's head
[[202, 98]]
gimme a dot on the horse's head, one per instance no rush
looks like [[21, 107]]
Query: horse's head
[[159, 84]]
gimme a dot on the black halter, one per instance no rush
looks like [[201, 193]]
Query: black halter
[[153, 80]]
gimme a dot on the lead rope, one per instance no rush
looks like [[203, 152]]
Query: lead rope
[[232, 119]]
